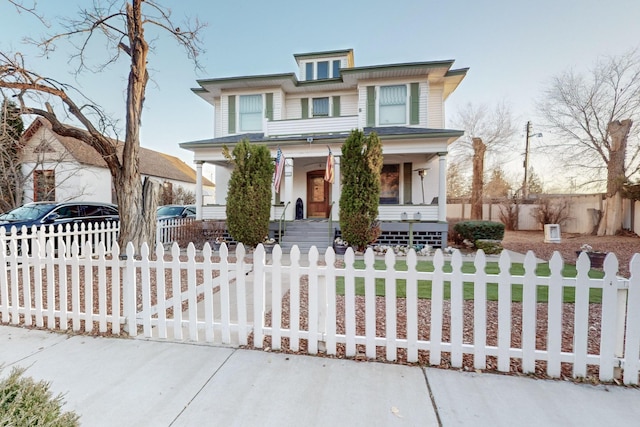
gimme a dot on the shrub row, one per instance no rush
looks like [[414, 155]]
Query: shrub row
[[475, 230]]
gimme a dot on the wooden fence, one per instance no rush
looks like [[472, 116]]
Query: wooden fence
[[313, 306]]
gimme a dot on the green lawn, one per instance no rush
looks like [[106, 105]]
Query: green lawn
[[424, 286]]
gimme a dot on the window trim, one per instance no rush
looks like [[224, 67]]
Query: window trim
[[239, 113], [407, 111]]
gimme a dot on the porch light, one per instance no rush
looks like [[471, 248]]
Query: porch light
[[422, 172]]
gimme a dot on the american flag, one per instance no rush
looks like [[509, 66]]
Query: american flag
[[279, 170], [328, 170]]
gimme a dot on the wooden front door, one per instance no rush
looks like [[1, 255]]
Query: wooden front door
[[317, 195]]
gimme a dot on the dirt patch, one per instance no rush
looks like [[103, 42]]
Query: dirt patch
[[624, 246]]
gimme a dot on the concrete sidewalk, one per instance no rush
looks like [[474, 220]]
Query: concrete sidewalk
[[127, 382]]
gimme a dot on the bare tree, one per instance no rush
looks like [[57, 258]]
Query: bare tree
[[457, 182], [122, 25], [485, 131], [592, 115]]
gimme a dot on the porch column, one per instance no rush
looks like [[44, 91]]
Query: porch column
[[199, 189], [335, 188], [442, 187], [287, 195]]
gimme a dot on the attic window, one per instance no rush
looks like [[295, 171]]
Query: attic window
[[44, 147]]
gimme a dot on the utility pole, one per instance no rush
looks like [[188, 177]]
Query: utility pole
[[525, 183]]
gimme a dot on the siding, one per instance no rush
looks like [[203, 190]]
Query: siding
[[349, 105], [224, 116], [424, 105], [217, 117], [435, 107]]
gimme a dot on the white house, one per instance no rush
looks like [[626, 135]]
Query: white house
[[63, 169], [308, 114]]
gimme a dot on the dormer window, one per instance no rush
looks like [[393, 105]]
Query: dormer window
[[322, 70]]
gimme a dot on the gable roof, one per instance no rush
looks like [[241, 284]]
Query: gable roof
[[152, 163]]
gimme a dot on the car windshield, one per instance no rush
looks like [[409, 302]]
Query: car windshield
[[26, 213], [169, 210]]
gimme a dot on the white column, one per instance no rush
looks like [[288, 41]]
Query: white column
[[287, 195], [442, 187], [198, 189], [335, 189]]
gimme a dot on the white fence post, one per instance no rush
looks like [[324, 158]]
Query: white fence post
[[129, 293]]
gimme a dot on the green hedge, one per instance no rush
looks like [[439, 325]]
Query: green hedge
[[474, 230]]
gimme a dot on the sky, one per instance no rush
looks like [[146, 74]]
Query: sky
[[512, 50]]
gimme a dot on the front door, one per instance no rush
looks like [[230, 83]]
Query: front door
[[317, 195]]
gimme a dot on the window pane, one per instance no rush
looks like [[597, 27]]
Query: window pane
[[336, 69], [250, 113], [44, 182], [390, 184], [320, 107], [393, 101], [323, 70], [309, 71]]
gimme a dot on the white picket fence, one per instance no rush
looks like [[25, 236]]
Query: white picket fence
[[173, 230], [221, 298]]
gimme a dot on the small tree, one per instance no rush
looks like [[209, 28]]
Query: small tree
[[497, 186], [552, 211], [249, 195], [361, 166], [11, 129]]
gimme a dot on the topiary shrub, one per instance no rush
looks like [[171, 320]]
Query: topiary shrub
[[249, 195], [474, 230], [360, 168], [25, 402]]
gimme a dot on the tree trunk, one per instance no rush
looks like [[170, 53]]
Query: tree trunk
[[479, 148], [611, 221]]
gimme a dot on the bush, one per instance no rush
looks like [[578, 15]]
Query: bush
[[25, 402], [474, 230], [453, 235], [552, 211], [489, 247]]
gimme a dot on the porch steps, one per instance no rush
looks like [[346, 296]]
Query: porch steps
[[305, 234]]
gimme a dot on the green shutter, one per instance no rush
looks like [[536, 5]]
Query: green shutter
[[304, 103], [414, 113], [407, 183], [268, 111], [336, 106], [371, 105], [232, 114]]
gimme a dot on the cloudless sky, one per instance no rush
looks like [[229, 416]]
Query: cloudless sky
[[512, 49]]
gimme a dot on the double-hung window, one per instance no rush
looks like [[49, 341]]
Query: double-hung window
[[250, 113], [320, 107], [44, 185], [392, 105]]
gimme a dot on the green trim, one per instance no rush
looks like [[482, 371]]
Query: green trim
[[407, 173], [268, 111], [336, 107], [304, 105], [371, 106], [414, 106], [458, 72], [281, 76], [407, 65], [232, 114]]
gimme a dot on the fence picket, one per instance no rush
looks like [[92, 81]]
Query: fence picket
[[390, 304], [114, 265], [529, 314], [259, 258], [504, 313], [225, 316], [129, 292], [37, 263], [608, 331], [102, 284], [457, 315], [26, 290], [276, 298], [51, 287], [294, 299], [62, 262], [207, 274], [349, 304], [412, 307], [13, 261], [192, 295], [632, 338], [88, 292], [437, 299], [161, 291], [312, 341], [74, 261], [330, 328], [4, 281], [554, 316], [145, 284], [370, 304], [581, 317], [480, 312], [241, 284]]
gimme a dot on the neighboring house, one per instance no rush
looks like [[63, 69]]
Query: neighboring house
[[305, 117], [61, 168]]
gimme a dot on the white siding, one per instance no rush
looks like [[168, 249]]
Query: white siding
[[224, 116], [424, 105], [435, 108], [362, 106], [279, 108], [293, 108], [217, 117], [349, 105]]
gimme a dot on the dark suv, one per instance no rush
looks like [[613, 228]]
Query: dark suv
[[53, 214]]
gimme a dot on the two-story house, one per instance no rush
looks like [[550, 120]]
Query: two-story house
[[309, 115]]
